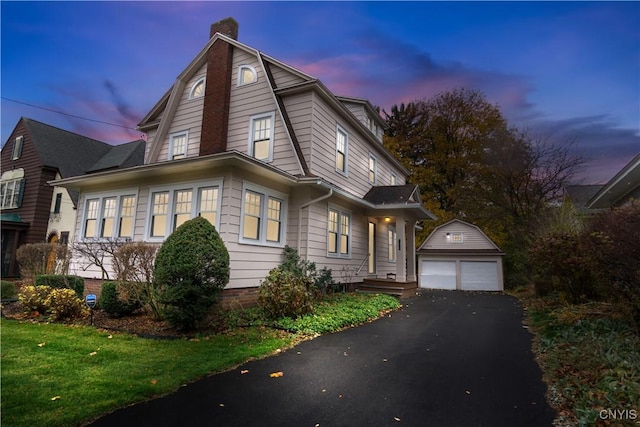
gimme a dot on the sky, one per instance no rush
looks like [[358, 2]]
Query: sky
[[563, 71]]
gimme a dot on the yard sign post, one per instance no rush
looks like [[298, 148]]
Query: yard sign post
[[90, 300]]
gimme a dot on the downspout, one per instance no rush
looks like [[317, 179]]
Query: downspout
[[306, 205]]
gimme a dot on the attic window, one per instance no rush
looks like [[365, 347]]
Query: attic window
[[455, 237], [17, 148], [247, 75], [197, 90]]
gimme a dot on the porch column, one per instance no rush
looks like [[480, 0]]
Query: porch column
[[411, 251], [401, 265]]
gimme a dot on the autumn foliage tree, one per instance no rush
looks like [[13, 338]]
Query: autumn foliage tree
[[469, 163]]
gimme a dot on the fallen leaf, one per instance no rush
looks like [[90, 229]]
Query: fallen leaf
[[396, 418], [276, 374], [384, 360], [467, 391], [244, 371], [110, 336], [41, 344], [345, 353], [56, 398], [221, 405], [154, 381], [93, 353]]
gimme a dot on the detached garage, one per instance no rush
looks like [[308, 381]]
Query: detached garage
[[458, 255]]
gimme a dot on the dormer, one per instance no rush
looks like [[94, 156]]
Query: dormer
[[366, 114]]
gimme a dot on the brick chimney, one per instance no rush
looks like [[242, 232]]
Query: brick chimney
[[217, 94]]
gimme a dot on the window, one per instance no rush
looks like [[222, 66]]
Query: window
[[392, 243], [58, 203], [91, 218], [261, 138], [197, 90], [171, 207], [338, 233], [182, 211], [160, 208], [127, 208], [372, 168], [109, 216], [342, 147], [394, 179], [455, 237], [263, 216], [11, 192], [178, 145], [208, 204], [16, 152], [247, 75]]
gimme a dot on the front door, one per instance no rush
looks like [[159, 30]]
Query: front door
[[372, 248]]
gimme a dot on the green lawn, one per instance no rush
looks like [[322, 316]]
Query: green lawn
[[61, 375]]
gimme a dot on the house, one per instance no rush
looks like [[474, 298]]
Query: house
[[271, 157], [459, 255], [32, 211], [624, 186]]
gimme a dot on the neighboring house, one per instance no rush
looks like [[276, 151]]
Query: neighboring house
[[620, 189], [458, 255], [32, 211], [269, 156]]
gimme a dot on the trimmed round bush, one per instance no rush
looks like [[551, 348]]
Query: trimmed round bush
[[191, 268]]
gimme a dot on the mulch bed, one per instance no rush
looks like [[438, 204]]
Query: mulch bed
[[141, 324]]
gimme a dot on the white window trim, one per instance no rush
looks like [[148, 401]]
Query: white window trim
[[252, 120], [267, 193], [194, 186], [392, 237], [340, 129], [375, 169], [250, 68], [101, 197], [175, 135], [193, 88], [18, 145], [341, 212], [393, 180]]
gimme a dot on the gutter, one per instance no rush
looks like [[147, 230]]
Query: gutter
[[306, 205]]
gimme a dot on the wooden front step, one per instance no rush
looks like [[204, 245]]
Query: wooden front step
[[389, 287]]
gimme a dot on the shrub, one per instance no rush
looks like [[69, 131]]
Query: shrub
[[64, 304], [113, 304], [41, 258], [614, 242], [34, 299], [7, 289], [322, 281], [285, 294], [562, 264], [62, 281], [191, 268], [133, 264]]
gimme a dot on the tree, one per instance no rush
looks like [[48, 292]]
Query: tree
[[470, 164], [441, 141], [191, 268]]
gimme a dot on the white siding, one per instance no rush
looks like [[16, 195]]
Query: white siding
[[253, 99], [472, 238], [284, 78]]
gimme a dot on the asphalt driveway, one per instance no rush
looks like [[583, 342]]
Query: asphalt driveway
[[447, 358]]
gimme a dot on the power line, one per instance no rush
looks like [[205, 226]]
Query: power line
[[66, 114]]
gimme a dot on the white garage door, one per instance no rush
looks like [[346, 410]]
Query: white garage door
[[479, 276], [438, 274]]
